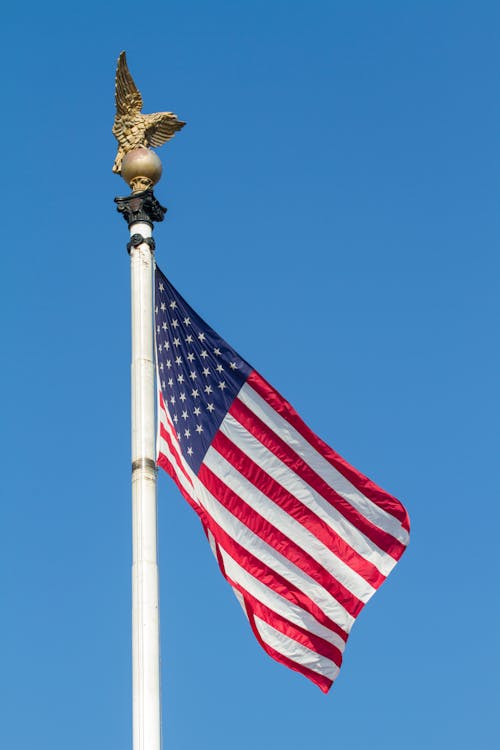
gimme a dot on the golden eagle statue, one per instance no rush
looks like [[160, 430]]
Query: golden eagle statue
[[131, 128]]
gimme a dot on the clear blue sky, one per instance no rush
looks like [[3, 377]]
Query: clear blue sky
[[333, 214]]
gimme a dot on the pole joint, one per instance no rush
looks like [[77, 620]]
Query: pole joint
[[138, 239], [144, 463]]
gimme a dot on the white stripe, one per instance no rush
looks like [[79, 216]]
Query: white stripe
[[279, 518], [296, 651], [212, 543], [239, 597], [170, 429], [320, 465], [307, 495], [213, 547], [163, 448], [254, 544], [272, 558], [277, 603]]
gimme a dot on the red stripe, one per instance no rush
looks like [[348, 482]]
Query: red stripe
[[297, 510], [282, 450], [173, 450], [278, 541], [290, 629], [161, 400], [324, 683], [368, 488], [167, 466], [173, 446], [268, 576]]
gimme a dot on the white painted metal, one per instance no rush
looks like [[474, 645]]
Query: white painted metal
[[146, 709]]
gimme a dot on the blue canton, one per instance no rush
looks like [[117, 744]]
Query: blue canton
[[200, 374]]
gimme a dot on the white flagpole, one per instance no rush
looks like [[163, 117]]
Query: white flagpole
[[140, 210], [145, 604], [141, 169]]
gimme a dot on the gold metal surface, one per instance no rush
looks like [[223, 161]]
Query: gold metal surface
[[131, 128], [141, 168]]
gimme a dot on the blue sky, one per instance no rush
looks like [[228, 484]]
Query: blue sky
[[333, 214]]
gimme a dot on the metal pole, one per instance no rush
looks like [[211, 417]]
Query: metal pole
[[141, 169], [145, 605], [140, 210]]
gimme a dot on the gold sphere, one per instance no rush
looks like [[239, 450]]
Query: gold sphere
[[141, 168]]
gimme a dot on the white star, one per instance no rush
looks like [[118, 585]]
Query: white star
[[178, 360], [208, 389], [178, 436], [187, 433], [221, 385], [204, 354], [173, 304], [197, 411], [164, 326], [180, 378], [166, 346], [182, 397], [187, 321], [177, 342], [194, 393], [217, 351], [157, 327], [169, 363], [163, 307], [193, 375], [172, 399], [161, 286], [184, 414], [160, 348], [161, 366], [156, 310], [210, 407], [175, 418], [190, 356], [175, 323], [219, 368], [206, 372], [171, 382], [163, 384], [201, 336], [199, 428], [189, 339], [190, 451]]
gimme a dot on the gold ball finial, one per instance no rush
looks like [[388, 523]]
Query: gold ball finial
[[141, 169]]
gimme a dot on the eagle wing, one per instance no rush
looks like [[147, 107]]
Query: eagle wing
[[161, 127], [127, 96]]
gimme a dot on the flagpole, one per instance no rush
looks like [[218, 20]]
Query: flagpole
[[140, 210]]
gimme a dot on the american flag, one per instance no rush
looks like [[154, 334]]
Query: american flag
[[302, 537]]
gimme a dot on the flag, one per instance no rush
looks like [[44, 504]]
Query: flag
[[302, 537]]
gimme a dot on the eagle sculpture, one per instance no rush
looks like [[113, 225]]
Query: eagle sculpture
[[131, 128]]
